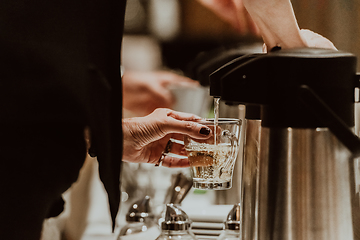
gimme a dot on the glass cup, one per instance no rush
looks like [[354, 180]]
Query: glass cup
[[212, 160]]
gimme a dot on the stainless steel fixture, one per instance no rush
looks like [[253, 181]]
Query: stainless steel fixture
[[176, 225], [308, 183], [250, 174], [232, 224]]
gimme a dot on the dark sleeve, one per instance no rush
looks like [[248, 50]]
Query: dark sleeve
[[60, 62]]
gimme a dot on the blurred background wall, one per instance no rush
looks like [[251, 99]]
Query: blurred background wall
[[337, 20], [183, 28]]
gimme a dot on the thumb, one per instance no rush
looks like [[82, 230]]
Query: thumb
[[190, 128]]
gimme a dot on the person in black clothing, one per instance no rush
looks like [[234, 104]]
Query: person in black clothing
[[59, 73]]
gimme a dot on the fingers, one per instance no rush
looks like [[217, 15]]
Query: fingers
[[175, 162], [183, 116], [313, 39], [174, 155], [177, 148], [178, 137], [189, 128], [182, 123]]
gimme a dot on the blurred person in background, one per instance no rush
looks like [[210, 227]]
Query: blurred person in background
[[144, 91]]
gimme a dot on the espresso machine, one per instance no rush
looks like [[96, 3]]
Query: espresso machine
[[307, 186]]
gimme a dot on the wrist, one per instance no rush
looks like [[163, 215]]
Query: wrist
[[128, 126], [129, 141]]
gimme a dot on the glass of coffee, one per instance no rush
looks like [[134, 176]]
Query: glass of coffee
[[212, 160]]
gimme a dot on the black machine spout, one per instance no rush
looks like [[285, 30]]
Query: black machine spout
[[288, 84], [215, 77]]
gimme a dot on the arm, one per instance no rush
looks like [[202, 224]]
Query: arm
[[276, 21], [145, 138]]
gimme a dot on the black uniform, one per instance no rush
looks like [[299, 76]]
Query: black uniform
[[59, 72]]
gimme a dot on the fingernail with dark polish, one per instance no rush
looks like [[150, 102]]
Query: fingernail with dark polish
[[205, 131]]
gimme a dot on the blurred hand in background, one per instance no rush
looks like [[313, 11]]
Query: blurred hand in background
[[143, 92]]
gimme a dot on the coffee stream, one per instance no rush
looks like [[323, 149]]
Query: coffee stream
[[216, 116]]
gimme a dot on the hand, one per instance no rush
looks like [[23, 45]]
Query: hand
[[143, 92], [276, 21], [315, 40], [234, 13], [145, 138]]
